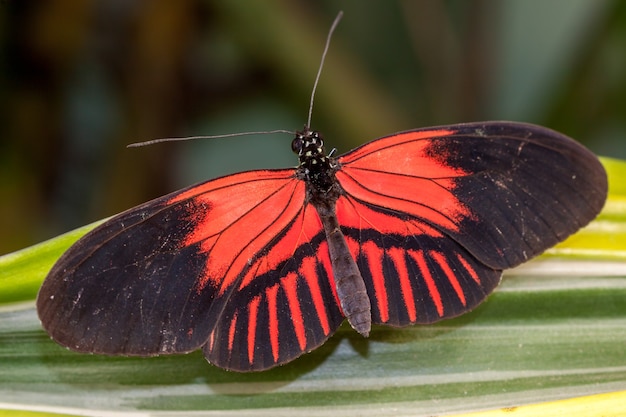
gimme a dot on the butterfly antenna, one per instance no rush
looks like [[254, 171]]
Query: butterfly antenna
[[319, 70], [227, 135]]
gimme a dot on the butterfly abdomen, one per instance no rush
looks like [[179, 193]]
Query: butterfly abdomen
[[349, 283]]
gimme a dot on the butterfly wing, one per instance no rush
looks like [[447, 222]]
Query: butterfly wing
[[209, 265], [435, 214]]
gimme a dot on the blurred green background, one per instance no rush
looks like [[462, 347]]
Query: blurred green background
[[79, 80]]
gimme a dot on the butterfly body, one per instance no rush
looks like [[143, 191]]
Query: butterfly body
[[317, 170], [259, 267]]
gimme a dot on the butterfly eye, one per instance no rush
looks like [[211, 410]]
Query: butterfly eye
[[296, 144]]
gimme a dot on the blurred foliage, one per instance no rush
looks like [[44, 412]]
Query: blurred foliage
[[80, 80]]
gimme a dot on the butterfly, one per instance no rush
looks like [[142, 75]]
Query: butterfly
[[259, 267]]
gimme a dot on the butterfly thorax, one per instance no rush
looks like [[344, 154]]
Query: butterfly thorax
[[316, 168]]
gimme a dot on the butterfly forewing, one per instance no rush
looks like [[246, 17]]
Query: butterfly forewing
[[504, 191], [155, 279]]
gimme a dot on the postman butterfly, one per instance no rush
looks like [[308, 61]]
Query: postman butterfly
[[259, 267]]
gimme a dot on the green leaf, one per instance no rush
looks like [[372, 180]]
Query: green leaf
[[22, 272], [555, 328]]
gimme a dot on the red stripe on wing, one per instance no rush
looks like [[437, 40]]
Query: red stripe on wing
[[289, 284], [441, 260], [272, 304], [231, 332], [374, 255], [253, 311], [433, 291], [307, 269], [397, 257], [469, 269]]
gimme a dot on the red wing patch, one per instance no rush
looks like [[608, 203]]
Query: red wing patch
[[408, 181]]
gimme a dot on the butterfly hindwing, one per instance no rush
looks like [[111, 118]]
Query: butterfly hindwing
[[413, 272], [282, 307]]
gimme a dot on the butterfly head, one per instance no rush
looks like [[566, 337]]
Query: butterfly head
[[308, 144]]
